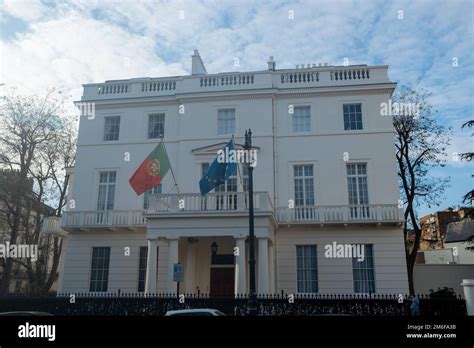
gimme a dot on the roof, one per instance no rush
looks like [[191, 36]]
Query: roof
[[459, 231]]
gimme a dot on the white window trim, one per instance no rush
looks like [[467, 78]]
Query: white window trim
[[144, 127], [96, 182], [370, 179], [374, 268], [317, 270], [216, 109], [365, 118], [89, 275], [313, 122], [291, 176], [102, 128]]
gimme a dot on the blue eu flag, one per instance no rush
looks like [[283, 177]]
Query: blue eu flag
[[219, 171]]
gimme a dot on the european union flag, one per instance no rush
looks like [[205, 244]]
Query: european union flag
[[219, 171]]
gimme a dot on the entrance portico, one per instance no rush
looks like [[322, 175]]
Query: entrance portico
[[187, 225], [220, 272]]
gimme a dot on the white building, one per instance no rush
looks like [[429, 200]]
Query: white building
[[321, 143]]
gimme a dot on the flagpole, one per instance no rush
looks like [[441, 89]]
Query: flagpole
[[171, 167], [239, 175]]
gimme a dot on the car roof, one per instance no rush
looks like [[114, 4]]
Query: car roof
[[194, 310]]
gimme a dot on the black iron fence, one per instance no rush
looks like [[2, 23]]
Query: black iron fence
[[139, 304]]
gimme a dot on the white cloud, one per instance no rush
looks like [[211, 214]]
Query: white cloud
[[70, 43], [27, 10]]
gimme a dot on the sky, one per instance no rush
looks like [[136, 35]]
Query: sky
[[64, 44]]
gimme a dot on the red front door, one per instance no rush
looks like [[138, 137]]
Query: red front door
[[222, 282]]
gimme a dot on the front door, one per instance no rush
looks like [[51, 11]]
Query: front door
[[222, 282]]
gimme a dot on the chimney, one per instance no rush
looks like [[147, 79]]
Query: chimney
[[197, 67], [271, 64]]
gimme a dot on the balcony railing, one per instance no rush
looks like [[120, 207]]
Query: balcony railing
[[232, 203], [212, 202], [107, 218], [327, 76], [340, 214]]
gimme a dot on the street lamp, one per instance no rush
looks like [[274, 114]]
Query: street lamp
[[252, 293], [214, 248]]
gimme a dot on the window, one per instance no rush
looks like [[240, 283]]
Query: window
[[302, 119], [352, 116], [245, 177], [142, 261], [226, 121], [304, 192], [156, 126], [304, 185], [111, 128], [228, 201], [306, 268], [100, 269], [358, 191], [204, 168], [363, 272], [142, 264], [106, 197], [146, 197], [106, 190]]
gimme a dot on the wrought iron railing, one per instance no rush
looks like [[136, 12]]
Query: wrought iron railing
[[268, 305]]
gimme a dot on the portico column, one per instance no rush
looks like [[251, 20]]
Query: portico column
[[172, 259], [262, 266], [240, 268], [271, 257], [150, 281], [190, 269]]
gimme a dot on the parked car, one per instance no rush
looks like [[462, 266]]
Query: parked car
[[25, 314], [201, 312]]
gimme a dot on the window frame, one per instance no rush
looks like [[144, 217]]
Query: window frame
[[355, 262], [142, 267], [104, 134], [107, 184], [299, 269], [158, 189], [106, 270], [149, 114], [310, 118], [304, 178], [225, 108], [362, 122]]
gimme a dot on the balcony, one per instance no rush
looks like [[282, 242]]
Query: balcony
[[231, 204], [102, 219], [341, 214], [220, 203]]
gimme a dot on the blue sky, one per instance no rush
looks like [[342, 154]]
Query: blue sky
[[64, 44]]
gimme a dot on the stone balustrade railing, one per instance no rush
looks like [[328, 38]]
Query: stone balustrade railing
[[281, 79], [233, 203]]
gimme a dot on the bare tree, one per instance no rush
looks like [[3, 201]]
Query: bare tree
[[469, 157], [36, 143], [421, 142]]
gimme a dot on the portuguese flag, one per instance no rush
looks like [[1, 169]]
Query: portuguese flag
[[151, 171]]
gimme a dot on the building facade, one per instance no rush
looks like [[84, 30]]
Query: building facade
[[435, 226], [325, 176]]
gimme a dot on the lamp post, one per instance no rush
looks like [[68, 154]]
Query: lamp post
[[214, 248], [252, 293]]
